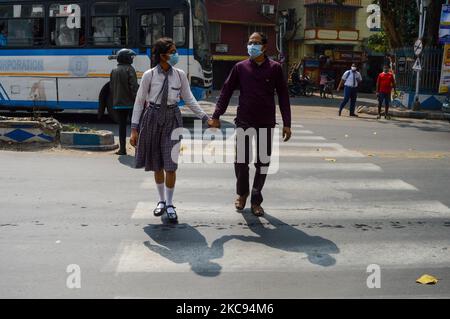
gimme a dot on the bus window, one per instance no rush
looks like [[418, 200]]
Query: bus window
[[179, 29], [109, 24], [62, 33], [200, 32], [152, 27], [21, 25]]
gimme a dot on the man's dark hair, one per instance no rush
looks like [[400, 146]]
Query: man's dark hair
[[161, 46], [263, 36]]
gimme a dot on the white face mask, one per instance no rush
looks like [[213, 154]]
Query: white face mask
[[353, 68]]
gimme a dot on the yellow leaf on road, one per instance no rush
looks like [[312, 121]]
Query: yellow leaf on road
[[331, 160], [427, 280]]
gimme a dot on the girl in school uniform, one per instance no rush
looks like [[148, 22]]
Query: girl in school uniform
[[155, 115]]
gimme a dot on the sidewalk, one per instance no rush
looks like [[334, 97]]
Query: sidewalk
[[406, 113], [366, 104]]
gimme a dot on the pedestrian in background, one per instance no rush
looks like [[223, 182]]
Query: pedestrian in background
[[123, 86], [156, 115], [323, 81], [385, 84], [351, 80]]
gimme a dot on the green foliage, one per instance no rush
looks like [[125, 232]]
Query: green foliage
[[378, 42], [400, 21]]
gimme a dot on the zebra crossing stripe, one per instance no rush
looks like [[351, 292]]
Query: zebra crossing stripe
[[187, 168], [223, 253], [308, 185], [208, 211]]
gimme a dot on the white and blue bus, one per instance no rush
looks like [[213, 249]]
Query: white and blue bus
[[56, 55]]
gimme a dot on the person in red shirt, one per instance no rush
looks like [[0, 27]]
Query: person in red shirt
[[385, 84]]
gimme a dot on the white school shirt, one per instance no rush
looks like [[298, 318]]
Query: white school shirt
[[178, 88], [348, 78]]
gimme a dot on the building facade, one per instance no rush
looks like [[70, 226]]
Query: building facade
[[336, 33], [230, 24]]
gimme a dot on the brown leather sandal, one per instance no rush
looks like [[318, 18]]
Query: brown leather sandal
[[239, 203], [257, 210]]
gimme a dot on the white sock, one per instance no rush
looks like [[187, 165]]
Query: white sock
[[162, 198], [169, 196]]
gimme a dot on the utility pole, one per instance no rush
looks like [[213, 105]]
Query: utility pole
[[422, 6], [281, 26]]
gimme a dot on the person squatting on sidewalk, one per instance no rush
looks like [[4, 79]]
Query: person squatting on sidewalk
[[351, 80], [385, 84], [124, 86], [156, 115]]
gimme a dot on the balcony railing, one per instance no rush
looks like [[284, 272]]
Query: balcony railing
[[351, 3]]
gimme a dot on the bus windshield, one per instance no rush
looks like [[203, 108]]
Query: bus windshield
[[200, 30]]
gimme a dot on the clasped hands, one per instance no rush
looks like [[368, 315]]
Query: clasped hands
[[213, 123]]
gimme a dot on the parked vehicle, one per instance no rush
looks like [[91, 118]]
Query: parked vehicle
[[305, 87], [52, 63], [329, 88]]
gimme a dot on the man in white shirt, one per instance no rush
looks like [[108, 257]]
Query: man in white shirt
[[351, 80]]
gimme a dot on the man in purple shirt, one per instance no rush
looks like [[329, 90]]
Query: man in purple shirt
[[257, 79]]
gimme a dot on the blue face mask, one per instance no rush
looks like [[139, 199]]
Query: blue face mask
[[174, 58], [254, 50]]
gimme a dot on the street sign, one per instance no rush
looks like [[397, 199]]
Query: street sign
[[417, 65], [418, 47]]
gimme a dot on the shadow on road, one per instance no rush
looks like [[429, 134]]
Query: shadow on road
[[280, 235], [127, 160], [185, 244]]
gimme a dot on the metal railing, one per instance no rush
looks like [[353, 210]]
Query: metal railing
[[430, 75]]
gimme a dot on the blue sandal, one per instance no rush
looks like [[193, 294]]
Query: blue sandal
[[171, 214], [160, 211]]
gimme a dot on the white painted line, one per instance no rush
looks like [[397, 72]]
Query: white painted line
[[305, 145], [220, 149], [284, 153], [306, 138], [306, 185], [296, 252], [314, 145], [207, 210], [323, 154], [143, 210], [293, 138], [300, 166]]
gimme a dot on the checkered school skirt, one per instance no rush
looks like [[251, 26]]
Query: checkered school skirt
[[155, 148]]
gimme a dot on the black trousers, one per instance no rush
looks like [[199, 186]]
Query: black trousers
[[123, 123], [245, 138]]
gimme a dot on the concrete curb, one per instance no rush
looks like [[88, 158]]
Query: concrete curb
[[103, 148], [98, 140], [407, 113], [29, 130]]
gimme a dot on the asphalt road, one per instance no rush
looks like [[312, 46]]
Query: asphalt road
[[349, 193]]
